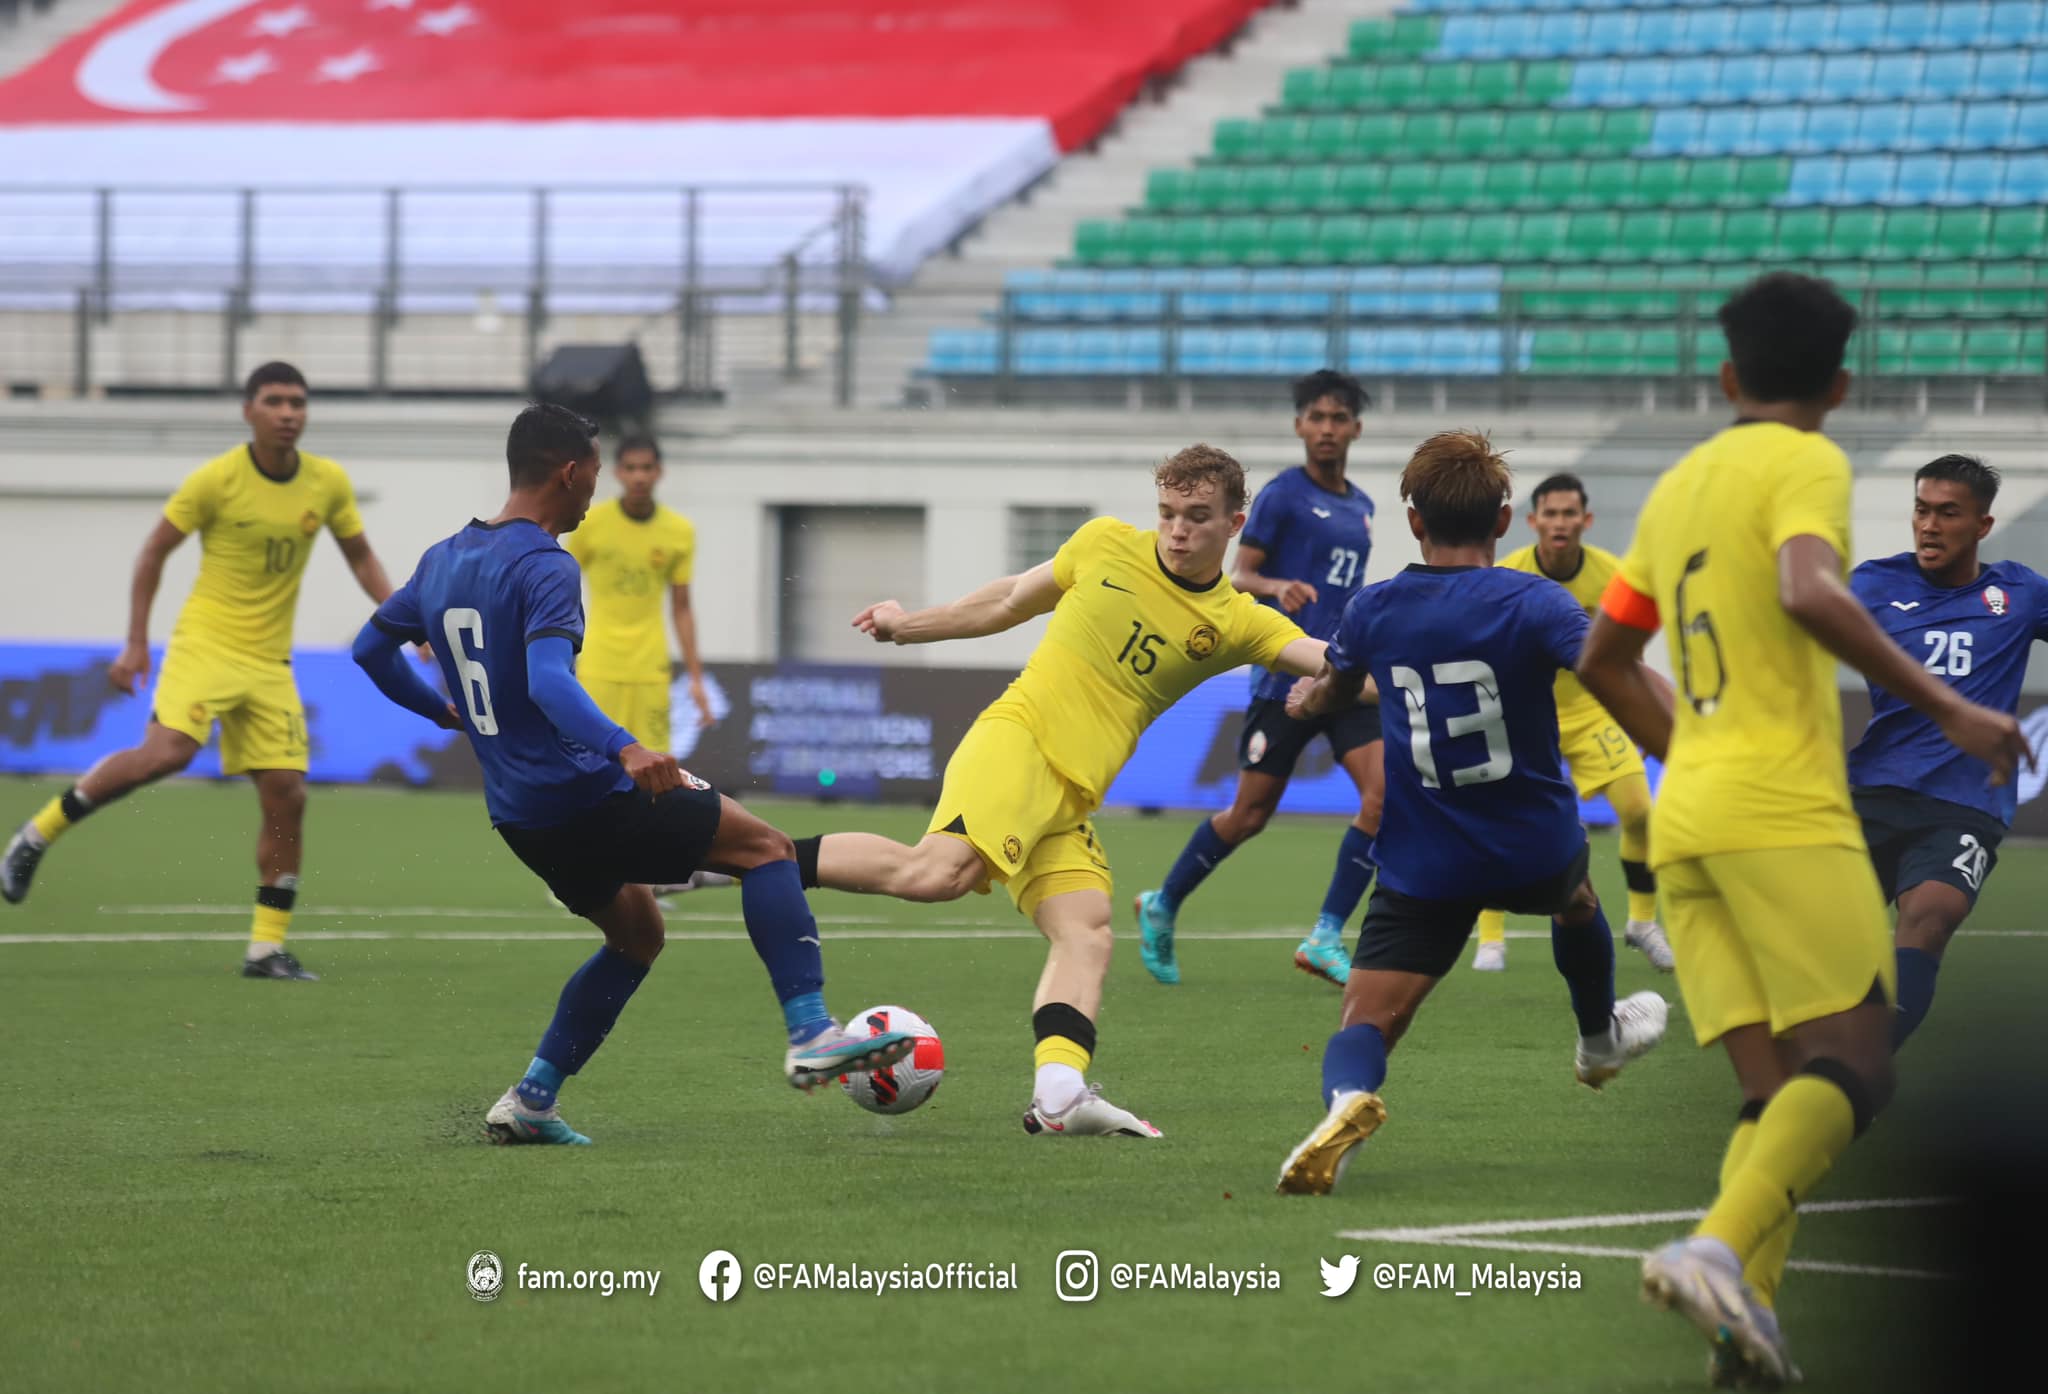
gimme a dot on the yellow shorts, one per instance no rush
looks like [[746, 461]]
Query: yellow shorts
[[1597, 752], [262, 722], [1785, 935], [640, 707], [1029, 825]]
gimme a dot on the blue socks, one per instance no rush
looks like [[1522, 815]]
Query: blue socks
[[1347, 883], [1355, 1058], [786, 940], [1917, 971], [1585, 955], [584, 1015], [1200, 857]]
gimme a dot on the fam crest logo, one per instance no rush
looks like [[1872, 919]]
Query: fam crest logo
[[1012, 848], [1203, 641], [486, 1275], [309, 522], [657, 560]]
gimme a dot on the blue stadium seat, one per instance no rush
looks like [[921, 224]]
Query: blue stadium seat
[[1745, 79], [1464, 36], [1608, 34], [2037, 76], [1844, 77], [2032, 130], [1759, 30], [1958, 23], [1829, 128], [1659, 31], [1727, 129], [1974, 180], [963, 351], [1881, 127], [1709, 31], [1402, 351], [1910, 26], [1922, 179], [1866, 179], [1950, 75], [2018, 23], [1465, 352], [1895, 76], [1509, 36], [1556, 36], [1595, 84], [1780, 130], [1678, 132], [1796, 76], [1988, 126], [2000, 73], [1817, 180], [1679, 82], [1934, 126], [1859, 29], [2026, 180], [1810, 28]]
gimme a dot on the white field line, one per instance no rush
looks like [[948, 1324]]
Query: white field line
[[1490, 1234]]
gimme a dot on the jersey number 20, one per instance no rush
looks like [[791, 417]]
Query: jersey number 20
[[1487, 720], [476, 683]]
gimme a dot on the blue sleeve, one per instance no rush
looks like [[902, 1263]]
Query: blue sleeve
[[399, 617], [551, 598], [1348, 652], [1864, 582], [1263, 527], [551, 683], [1564, 625], [380, 652]]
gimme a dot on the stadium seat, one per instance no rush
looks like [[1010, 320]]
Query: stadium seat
[[1808, 28], [2032, 130], [1852, 234], [1760, 181], [1709, 31], [1895, 77], [1664, 183], [1726, 129], [1779, 130], [1815, 181], [1881, 127], [1828, 128], [1476, 135], [1988, 126], [1951, 75], [1559, 182], [1509, 183], [1909, 235], [2017, 233], [1603, 183], [1868, 179], [2018, 23], [1933, 126], [1960, 233], [1958, 24], [1974, 179], [1921, 179], [1609, 34], [2001, 73], [1362, 186], [2026, 180]]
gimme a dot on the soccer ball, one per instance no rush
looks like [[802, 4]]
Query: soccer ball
[[907, 1083]]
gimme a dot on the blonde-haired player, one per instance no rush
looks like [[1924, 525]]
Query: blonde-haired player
[[258, 510], [1601, 759], [1139, 618]]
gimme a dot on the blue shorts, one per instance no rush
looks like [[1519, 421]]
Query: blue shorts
[[1272, 740], [1915, 838]]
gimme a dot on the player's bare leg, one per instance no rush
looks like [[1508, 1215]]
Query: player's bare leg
[[281, 800], [1251, 808], [940, 867], [163, 752], [1379, 1007], [1076, 925], [1929, 915], [1322, 953]]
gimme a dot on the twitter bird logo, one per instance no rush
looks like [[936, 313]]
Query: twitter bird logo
[[1339, 1276]]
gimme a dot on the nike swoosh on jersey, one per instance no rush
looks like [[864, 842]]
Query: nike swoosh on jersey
[[1905, 604], [1115, 587]]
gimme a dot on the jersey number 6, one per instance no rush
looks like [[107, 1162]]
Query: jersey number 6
[[476, 683]]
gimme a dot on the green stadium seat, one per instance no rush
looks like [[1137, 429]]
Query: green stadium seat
[[1889, 354], [1855, 233], [1508, 183], [1497, 85], [1167, 190], [1708, 183], [1378, 137], [1216, 187], [1239, 241], [1574, 292], [1236, 139], [1543, 237], [1657, 352], [1641, 237], [1588, 235], [1558, 182], [1331, 138], [1476, 135], [1388, 236], [1280, 139], [1362, 186], [1372, 39], [1997, 352], [1315, 188], [1558, 352], [1709, 350], [1400, 84], [1290, 241], [1544, 83], [1525, 134], [1695, 236], [1100, 242], [1748, 233], [1147, 241], [1427, 135], [1409, 185], [1609, 353], [1488, 236], [1415, 35], [1662, 183], [1575, 134], [1261, 189], [1450, 85], [1603, 183], [1934, 352], [1761, 181], [2011, 292], [1304, 88], [1909, 235], [1438, 237], [1949, 290], [1961, 233], [1351, 88], [1342, 240], [1624, 132], [1642, 304], [2018, 232], [1460, 185]]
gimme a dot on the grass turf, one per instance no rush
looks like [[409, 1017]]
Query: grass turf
[[219, 1184]]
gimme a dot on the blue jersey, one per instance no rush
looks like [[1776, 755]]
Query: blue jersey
[[1310, 534], [1466, 659], [1975, 638], [481, 597]]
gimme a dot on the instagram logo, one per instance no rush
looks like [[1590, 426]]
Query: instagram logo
[[1076, 1275]]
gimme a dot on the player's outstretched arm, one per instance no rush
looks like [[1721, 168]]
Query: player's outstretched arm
[[382, 656], [1001, 604], [1635, 695], [1811, 590], [1331, 689], [551, 683], [369, 572], [133, 663]]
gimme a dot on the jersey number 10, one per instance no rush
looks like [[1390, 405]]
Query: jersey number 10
[[476, 683]]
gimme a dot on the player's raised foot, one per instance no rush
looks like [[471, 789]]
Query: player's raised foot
[[1316, 1166], [278, 965], [1490, 958], [699, 881], [1639, 1021], [835, 1051], [18, 865], [1701, 1280], [1155, 937], [1325, 959], [1089, 1116], [1647, 938], [511, 1123]]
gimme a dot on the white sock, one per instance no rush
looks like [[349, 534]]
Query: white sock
[[259, 948], [1057, 1088]]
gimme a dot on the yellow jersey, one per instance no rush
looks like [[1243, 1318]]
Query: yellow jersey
[[630, 564], [255, 534], [1756, 757], [1127, 640], [1597, 566]]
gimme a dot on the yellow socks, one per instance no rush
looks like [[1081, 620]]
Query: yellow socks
[[1631, 800], [1058, 1050], [56, 816], [1766, 1268], [1789, 1149], [1493, 927], [273, 917]]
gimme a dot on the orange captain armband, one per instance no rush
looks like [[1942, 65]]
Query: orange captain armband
[[1624, 604]]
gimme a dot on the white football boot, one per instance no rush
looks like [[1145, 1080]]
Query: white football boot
[[1639, 1021], [1091, 1115]]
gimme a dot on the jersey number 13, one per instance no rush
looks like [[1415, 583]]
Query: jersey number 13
[[1487, 720]]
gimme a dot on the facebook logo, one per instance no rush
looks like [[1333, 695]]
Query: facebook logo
[[719, 1275]]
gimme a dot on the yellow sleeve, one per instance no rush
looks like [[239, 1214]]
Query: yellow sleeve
[[342, 518], [685, 562], [1088, 540], [197, 499], [1262, 632], [1812, 500]]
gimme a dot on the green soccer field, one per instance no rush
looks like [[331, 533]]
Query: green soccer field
[[212, 1183]]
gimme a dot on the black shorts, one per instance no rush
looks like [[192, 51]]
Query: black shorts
[[629, 839], [1272, 740], [1406, 934], [1915, 837]]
